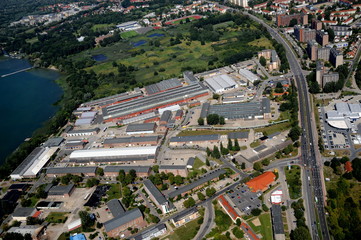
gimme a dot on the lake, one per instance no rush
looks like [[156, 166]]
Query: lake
[[26, 102]]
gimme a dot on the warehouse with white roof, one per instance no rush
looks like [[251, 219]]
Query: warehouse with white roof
[[343, 115], [248, 75], [114, 155], [220, 83]]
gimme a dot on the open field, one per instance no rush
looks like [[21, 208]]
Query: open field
[[114, 192], [274, 128], [293, 177], [206, 132], [265, 228], [56, 217], [129, 34], [185, 232], [102, 26]]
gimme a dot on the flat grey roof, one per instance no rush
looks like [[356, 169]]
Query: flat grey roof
[[276, 212], [166, 116], [53, 142], [126, 168], [238, 135], [172, 167], [117, 159], [24, 166], [61, 190], [238, 110], [260, 148], [185, 214], [112, 99], [191, 161], [154, 191], [121, 220], [84, 130], [205, 110], [189, 75], [115, 207], [162, 86], [71, 170], [154, 101], [23, 212], [140, 127], [132, 139], [195, 138], [205, 178]]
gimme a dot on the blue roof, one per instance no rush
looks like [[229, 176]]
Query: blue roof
[[79, 236]]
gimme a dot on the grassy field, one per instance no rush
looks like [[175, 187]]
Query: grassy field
[[114, 192], [102, 26], [274, 128], [185, 232], [262, 42], [293, 177], [206, 132], [198, 163], [255, 144], [265, 229], [57, 217], [129, 34]]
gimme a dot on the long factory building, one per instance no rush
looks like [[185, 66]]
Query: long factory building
[[114, 156], [114, 99], [135, 107]]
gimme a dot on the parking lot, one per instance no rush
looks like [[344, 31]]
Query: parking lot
[[243, 199]]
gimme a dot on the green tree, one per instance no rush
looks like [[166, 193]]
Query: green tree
[[210, 191], [209, 152], [236, 145], [262, 61], [91, 182], [207, 162], [257, 166], [121, 176], [200, 121], [230, 145], [256, 211], [201, 196], [243, 165], [100, 171], [224, 150], [213, 119], [190, 202], [155, 168], [178, 180], [221, 120], [237, 232], [86, 221], [300, 233], [216, 153]]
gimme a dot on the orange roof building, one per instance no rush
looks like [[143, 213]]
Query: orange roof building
[[228, 208], [261, 182]]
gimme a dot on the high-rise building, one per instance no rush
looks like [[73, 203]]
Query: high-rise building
[[323, 53], [284, 20], [316, 24], [312, 47], [242, 3], [336, 58], [322, 37], [319, 72], [304, 34], [329, 77]]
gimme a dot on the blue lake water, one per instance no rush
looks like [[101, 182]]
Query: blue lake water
[[139, 43], [26, 102], [156, 35], [100, 57]]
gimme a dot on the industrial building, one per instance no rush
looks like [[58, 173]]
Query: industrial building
[[163, 86], [79, 171], [113, 171], [22, 213], [82, 132], [153, 102], [156, 196], [248, 75], [248, 110], [343, 114], [130, 219], [141, 128], [128, 26], [114, 99], [132, 141], [185, 217], [34, 230], [189, 78], [33, 163], [197, 140], [240, 136], [114, 155], [9, 201], [61, 191], [220, 83]]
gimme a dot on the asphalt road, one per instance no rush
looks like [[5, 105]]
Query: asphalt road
[[314, 193], [208, 221]]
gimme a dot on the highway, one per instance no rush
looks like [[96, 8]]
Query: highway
[[314, 199]]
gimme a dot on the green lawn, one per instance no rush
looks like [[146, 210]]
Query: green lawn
[[129, 34], [206, 132], [255, 144], [102, 26], [185, 232], [114, 192], [57, 217], [198, 163], [293, 177], [265, 229], [274, 128]]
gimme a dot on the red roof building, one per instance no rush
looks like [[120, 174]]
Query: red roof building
[[261, 182], [228, 208]]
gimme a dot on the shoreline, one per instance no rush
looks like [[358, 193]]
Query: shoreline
[[44, 125]]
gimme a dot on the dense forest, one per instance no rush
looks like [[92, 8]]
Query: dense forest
[[343, 203]]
